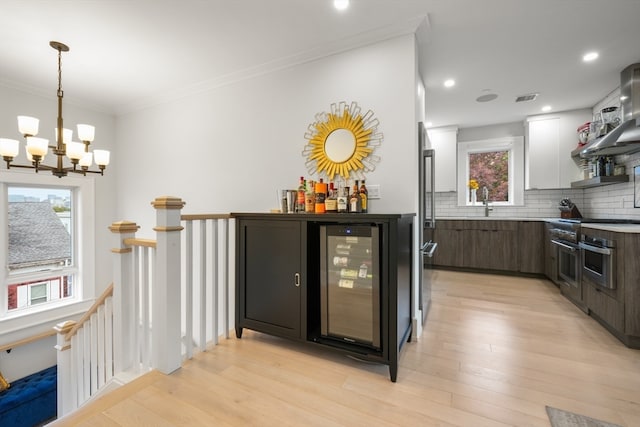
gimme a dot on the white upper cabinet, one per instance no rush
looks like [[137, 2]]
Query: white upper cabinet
[[444, 141], [550, 138]]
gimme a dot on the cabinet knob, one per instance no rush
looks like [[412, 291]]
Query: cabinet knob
[[297, 280]]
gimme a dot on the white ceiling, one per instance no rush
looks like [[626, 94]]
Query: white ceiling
[[126, 54]]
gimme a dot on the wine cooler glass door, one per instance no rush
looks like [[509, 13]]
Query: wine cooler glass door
[[350, 284]]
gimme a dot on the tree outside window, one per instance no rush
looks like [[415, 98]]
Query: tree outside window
[[491, 170], [497, 164]]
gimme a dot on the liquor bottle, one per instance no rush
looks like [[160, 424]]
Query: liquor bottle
[[309, 198], [321, 196], [331, 204], [364, 195], [343, 204], [355, 202], [300, 196]]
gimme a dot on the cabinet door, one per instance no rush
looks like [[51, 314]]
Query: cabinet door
[[542, 156], [448, 236], [550, 141], [550, 256], [491, 245], [531, 246], [271, 276], [445, 142], [631, 270], [602, 305]]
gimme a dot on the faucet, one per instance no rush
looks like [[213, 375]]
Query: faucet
[[485, 201]]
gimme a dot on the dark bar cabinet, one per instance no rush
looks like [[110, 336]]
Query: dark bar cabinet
[[342, 281]]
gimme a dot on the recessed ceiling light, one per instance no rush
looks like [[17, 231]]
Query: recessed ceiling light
[[341, 4], [623, 98], [449, 83], [591, 56], [546, 108]]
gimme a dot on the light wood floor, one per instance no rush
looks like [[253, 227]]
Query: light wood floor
[[495, 351]]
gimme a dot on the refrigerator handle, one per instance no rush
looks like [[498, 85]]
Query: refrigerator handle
[[297, 280]]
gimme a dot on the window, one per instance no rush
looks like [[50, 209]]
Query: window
[[495, 164], [47, 254], [490, 170], [40, 256]]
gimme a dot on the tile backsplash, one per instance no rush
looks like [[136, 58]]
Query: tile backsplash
[[609, 201]]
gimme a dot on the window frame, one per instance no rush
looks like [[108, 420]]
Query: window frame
[[515, 146], [83, 236]]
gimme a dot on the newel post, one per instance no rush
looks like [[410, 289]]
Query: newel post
[[166, 342], [124, 324], [66, 402]]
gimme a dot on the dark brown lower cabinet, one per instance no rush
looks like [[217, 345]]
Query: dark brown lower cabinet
[[618, 310], [509, 246], [271, 262], [603, 306], [531, 247], [278, 282]]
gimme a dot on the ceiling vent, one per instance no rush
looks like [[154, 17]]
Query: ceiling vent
[[528, 97]]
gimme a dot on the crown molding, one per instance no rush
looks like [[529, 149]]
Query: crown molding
[[339, 46]]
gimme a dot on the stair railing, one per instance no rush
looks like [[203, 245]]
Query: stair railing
[[85, 353], [163, 304]]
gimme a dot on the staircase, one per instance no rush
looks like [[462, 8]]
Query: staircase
[[169, 299]]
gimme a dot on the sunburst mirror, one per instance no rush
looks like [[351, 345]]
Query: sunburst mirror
[[341, 142]]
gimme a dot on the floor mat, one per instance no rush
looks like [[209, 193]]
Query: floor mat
[[560, 418]]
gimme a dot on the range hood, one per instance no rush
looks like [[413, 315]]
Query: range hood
[[625, 138]]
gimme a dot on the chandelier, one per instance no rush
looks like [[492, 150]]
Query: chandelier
[[36, 149]]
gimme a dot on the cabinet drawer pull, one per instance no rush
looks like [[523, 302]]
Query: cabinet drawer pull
[[297, 281]]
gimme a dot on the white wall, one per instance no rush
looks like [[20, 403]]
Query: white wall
[[230, 149]]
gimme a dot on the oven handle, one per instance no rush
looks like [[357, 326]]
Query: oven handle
[[596, 249], [564, 245]]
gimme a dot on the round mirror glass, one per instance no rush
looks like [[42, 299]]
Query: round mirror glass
[[340, 145]]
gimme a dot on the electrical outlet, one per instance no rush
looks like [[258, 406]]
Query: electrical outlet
[[373, 191]]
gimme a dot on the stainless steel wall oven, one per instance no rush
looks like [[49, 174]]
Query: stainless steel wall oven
[[564, 238], [568, 262]]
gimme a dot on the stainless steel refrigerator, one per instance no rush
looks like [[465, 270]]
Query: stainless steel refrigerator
[[426, 218]]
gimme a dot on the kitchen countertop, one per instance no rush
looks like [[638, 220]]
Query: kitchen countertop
[[616, 228], [489, 218]]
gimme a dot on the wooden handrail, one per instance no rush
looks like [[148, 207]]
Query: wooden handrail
[[97, 303], [27, 340], [195, 217], [140, 242]]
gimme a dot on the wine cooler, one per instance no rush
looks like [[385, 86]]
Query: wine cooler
[[350, 284]]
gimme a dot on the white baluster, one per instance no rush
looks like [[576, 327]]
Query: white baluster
[[63, 346]]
